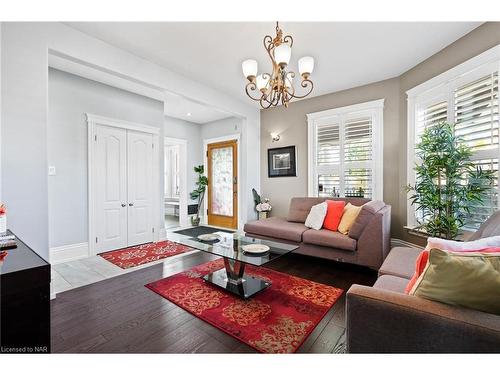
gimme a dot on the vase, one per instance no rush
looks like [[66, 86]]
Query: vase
[[195, 221], [263, 215], [3, 223]]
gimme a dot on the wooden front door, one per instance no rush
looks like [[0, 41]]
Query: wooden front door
[[222, 160]]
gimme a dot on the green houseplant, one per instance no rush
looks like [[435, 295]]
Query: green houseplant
[[447, 182], [199, 193]]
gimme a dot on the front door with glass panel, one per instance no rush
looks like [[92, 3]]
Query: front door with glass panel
[[222, 160]]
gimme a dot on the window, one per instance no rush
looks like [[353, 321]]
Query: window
[[467, 96], [345, 151]]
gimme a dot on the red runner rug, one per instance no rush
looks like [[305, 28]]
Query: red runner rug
[[277, 320], [137, 255]]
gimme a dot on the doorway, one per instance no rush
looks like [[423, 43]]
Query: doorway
[[222, 173], [174, 177]]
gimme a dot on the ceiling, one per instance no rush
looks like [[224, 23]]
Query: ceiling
[[347, 54]]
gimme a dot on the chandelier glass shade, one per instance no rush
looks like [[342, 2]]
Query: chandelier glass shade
[[275, 88]]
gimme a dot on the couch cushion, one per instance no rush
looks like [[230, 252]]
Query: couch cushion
[[490, 227], [325, 237], [300, 207], [367, 211], [391, 283], [276, 227], [400, 262]]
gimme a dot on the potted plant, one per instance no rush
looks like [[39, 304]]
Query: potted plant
[[447, 182], [263, 208], [199, 193]]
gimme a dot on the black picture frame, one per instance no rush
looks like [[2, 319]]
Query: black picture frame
[[281, 162]]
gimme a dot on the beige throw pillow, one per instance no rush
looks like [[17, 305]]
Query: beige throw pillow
[[316, 216], [349, 215], [465, 279]]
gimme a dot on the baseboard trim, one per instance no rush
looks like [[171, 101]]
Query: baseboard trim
[[398, 242], [162, 235], [68, 253]]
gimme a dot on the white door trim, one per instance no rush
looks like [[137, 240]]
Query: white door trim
[[183, 195], [92, 122], [231, 137]]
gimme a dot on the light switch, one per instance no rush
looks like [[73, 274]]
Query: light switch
[[52, 170]]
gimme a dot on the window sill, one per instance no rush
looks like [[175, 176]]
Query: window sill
[[414, 231]]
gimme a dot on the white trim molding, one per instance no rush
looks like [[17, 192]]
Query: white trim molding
[[231, 137], [92, 122], [440, 89], [373, 109], [183, 194], [67, 253]]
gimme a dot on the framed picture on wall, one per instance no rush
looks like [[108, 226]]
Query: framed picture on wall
[[281, 162]]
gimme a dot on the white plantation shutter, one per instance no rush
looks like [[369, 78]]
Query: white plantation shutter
[[470, 101], [476, 119], [345, 153]]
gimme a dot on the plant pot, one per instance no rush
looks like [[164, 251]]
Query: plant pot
[[263, 215], [3, 223], [195, 221]]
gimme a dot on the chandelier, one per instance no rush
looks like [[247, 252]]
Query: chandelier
[[277, 87]]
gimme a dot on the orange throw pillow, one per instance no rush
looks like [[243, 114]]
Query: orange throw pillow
[[333, 214]]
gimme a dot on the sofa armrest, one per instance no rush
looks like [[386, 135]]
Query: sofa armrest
[[374, 242], [380, 321]]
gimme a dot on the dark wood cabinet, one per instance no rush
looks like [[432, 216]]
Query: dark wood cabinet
[[25, 301]]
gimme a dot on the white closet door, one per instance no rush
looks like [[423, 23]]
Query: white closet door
[[140, 187], [110, 188]]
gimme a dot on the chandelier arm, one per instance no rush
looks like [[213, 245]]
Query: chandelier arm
[[288, 39], [262, 101], [252, 86], [305, 83]]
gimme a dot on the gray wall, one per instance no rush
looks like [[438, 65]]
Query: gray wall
[[176, 128], [70, 97], [291, 123], [477, 41]]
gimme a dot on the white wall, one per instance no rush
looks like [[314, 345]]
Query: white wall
[[24, 71], [70, 97], [176, 128]]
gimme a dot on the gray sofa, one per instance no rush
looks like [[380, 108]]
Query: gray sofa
[[367, 243], [382, 319]]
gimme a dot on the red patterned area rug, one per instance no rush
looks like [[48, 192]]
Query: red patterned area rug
[[142, 254], [277, 320]]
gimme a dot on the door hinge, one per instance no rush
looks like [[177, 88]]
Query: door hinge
[[96, 240], [207, 154], [153, 229], [152, 145], [95, 137], [207, 211]]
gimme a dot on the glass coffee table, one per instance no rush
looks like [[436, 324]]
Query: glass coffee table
[[229, 246]]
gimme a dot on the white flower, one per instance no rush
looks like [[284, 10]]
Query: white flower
[[263, 207]]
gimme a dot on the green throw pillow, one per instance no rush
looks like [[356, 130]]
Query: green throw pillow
[[470, 280]]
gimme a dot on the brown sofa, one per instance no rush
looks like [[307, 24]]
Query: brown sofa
[[382, 319], [367, 244]]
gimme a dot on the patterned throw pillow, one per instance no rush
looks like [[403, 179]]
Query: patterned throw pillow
[[316, 216], [468, 279]]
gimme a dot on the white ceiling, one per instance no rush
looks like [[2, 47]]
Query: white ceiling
[[347, 54]]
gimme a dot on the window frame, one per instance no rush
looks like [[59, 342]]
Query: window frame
[[374, 109], [442, 88]]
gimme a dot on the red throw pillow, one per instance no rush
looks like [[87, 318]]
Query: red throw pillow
[[423, 259], [333, 214]]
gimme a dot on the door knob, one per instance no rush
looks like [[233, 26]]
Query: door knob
[[130, 204], [124, 205]]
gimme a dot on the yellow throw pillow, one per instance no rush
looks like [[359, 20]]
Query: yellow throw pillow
[[465, 279], [349, 215]]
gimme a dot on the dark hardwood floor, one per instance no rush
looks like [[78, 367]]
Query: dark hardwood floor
[[120, 315]]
